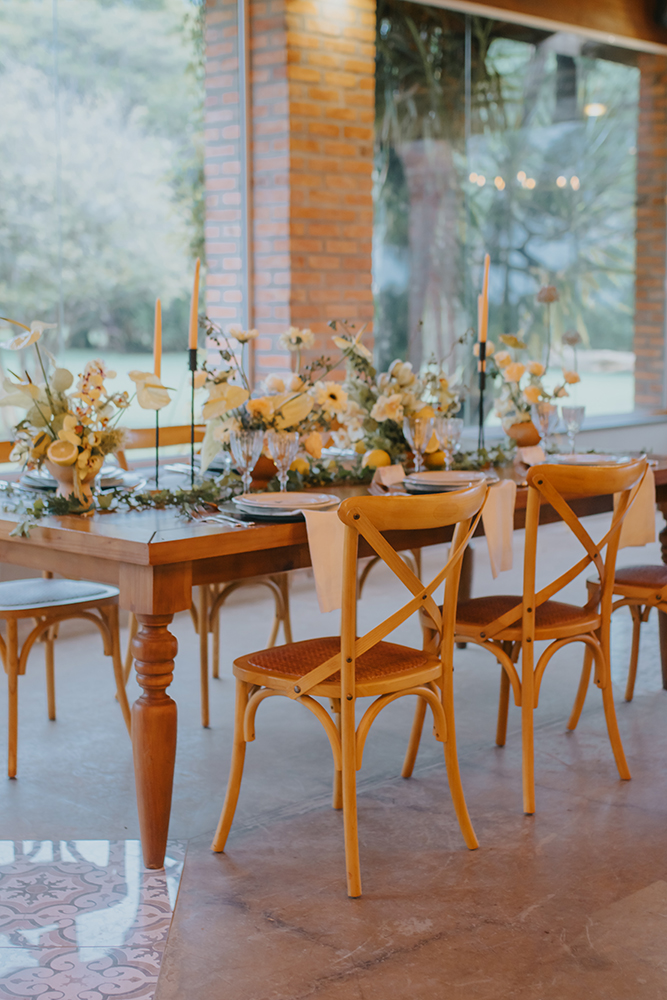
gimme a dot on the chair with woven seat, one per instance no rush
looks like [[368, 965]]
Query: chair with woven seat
[[510, 625], [50, 602], [640, 588], [344, 668]]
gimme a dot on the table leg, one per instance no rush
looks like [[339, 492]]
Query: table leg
[[662, 617], [154, 733], [465, 582]]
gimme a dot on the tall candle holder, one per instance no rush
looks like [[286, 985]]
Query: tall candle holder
[[481, 367], [157, 449], [192, 361]]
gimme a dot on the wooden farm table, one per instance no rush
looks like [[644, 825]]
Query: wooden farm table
[[155, 558]]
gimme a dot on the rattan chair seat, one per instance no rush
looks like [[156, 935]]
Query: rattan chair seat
[[31, 596], [641, 576], [473, 615], [384, 663]]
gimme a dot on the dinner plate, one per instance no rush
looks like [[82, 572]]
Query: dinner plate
[[443, 482], [587, 458], [288, 502]]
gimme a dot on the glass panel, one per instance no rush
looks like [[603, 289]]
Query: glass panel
[[101, 187], [499, 138]]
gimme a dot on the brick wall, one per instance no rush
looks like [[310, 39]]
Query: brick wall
[[312, 96], [651, 232]]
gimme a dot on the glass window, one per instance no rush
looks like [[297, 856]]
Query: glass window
[[101, 182], [499, 138]]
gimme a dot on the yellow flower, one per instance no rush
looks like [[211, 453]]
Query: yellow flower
[[70, 436], [503, 358], [330, 396], [242, 336], [535, 368], [260, 408], [426, 413], [293, 411], [388, 408], [532, 393], [300, 465], [223, 397], [354, 345], [295, 339], [570, 377], [199, 378], [313, 444], [514, 371]]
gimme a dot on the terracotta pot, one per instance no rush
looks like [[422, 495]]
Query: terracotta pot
[[64, 475], [263, 472], [525, 433]]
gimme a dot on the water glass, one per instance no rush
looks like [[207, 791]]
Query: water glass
[[448, 432], [573, 418], [246, 447], [418, 432], [283, 446], [547, 418]]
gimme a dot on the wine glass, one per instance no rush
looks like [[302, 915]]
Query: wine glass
[[283, 446], [418, 431], [448, 432], [547, 416], [246, 447], [573, 418]]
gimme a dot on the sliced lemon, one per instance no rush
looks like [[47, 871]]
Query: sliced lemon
[[300, 465], [62, 453], [375, 458]]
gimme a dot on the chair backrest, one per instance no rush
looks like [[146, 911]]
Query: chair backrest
[[368, 517], [556, 485], [144, 437]]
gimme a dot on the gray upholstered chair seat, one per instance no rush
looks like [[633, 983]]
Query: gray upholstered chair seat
[[26, 595]]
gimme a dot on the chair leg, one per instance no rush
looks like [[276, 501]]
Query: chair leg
[[215, 632], [133, 627], [12, 666], [637, 617], [337, 797], [348, 745], [503, 708], [235, 769], [415, 739], [583, 688], [283, 583], [612, 729], [110, 615], [203, 653], [49, 642], [452, 763]]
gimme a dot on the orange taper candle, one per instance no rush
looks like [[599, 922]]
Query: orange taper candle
[[157, 339], [194, 311], [484, 325]]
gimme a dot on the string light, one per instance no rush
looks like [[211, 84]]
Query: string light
[[500, 183], [574, 183], [473, 178], [521, 176], [594, 110], [530, 183], [481, 180]]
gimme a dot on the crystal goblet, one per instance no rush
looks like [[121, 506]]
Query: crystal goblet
[[418, 431], [246, 447], [283, 446], [547, 417], [573, 418], [448, 431]]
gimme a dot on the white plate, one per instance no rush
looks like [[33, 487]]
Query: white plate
[[587, 459], [285, 501], [276, 512], [452, 479]]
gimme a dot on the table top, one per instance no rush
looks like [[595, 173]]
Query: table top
[[159, 537]]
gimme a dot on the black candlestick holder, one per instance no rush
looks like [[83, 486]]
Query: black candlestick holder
[[481, 367], [192, 360]]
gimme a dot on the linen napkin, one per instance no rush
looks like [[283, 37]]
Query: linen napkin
[[498, 521], [638, 527], [325, 541]]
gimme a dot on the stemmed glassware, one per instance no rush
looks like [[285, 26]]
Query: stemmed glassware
[[573, 418], [283, 446], [547, 416], [448, 432], [418, 431], [246, 447]]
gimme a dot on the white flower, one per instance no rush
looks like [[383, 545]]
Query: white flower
[[273, 384], [388, 408], [401, 372], [354, 345], [151, 394], [330, 396], [31, 335], [223, 397], [241, 335], [295, 339]]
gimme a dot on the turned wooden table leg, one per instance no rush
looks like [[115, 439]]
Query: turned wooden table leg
[[662, 617], [154, 733]]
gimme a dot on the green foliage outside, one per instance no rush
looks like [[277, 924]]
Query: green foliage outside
[[124, 157]]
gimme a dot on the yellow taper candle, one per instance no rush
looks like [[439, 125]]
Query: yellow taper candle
[[194, 310], [157, 339], [484, 325]]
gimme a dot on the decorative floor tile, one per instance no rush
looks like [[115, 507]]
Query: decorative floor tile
[[83, 919]]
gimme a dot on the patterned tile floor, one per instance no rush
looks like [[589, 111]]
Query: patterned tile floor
[[83, 919]]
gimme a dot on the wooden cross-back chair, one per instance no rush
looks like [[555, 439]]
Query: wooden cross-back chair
[[344, 668], [205, 611], [510, 625]]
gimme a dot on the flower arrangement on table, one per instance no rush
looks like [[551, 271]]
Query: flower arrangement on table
[[522, 389], [68, 431]]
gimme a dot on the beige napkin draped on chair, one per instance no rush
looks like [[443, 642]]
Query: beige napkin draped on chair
[[638, 527]]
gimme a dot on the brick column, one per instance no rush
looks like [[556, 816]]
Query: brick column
[[313, 97], [651, 233]]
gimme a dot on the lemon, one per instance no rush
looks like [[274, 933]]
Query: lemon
[[426, 413], [360, 447], [375, 458], [432, 445], [62, 453], [434, 460], [300, 465]]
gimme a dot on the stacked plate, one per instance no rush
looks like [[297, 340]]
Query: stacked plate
[[587, 458], [442, 482], [110, 477], [283, 506]]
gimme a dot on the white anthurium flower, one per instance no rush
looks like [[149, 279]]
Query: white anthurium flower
[[223, 397], [29, 336], [151, 394], [21, 394], [199, 378]]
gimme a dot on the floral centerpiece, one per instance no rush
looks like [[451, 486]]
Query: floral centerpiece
[[68, 431]]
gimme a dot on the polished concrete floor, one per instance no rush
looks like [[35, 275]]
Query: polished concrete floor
[[569, 902]]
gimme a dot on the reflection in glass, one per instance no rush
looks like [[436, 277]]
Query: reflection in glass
[[573, 418]]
